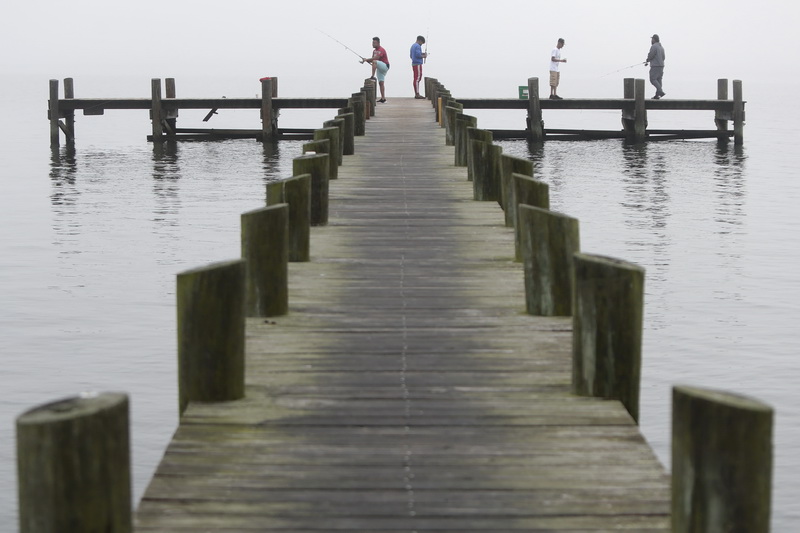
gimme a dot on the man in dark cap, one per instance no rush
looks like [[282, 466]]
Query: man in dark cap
[[380, 65], [655, 57]]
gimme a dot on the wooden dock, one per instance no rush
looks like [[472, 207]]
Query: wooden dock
[[166, 109], [633, 106], [407, 389]]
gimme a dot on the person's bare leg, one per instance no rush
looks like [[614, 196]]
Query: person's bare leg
[[383, 90]]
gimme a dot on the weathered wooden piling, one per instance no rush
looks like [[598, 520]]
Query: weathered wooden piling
[[55, 113], [629, 108], [73, 459], [738, 113], [339, 124], [170, 88], [69, 115], [509, 165], [444, 98], [721, 462], [548, 241], [156, 110], [451, 111], [721, 117], [323, 146], [358, 102], [348, 137], [527, 191], [331, 134], [640, 112], [461, 139], [486, 162], [296, 192], [268, 121], [211, 320], [438, 92], [265, 251], [318, 167], [475, 134], [52, 111], [370, 89], [634, 115], [607, 319], [171, 114], [430, 87], [535, 122]]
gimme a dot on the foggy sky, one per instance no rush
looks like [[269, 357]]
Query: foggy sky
[[476, 48]]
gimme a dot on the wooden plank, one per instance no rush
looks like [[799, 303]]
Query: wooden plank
[[599, 104], [200, 103], [406, 389]]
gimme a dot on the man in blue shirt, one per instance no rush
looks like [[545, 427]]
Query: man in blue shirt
[[417, 58]]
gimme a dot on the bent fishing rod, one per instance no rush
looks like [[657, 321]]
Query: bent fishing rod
[[362, 58]]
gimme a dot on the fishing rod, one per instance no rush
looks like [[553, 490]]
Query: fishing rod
[[424, 59], [362, 58], [623, 68]]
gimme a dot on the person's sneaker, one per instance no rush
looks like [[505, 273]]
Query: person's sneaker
[[663, 94], [419, 97], [373, 78], [657, 97], [553, 97], [558, 97], [382, 100]]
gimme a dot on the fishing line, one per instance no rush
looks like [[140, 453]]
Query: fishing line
[[362, 58], [623, 68]]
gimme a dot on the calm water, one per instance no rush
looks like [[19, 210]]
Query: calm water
[[92, 240]]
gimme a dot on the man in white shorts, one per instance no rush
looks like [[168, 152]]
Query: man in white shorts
[[555, 75], [380, 65]]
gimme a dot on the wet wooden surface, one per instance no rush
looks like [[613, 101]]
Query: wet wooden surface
[[407, 390]]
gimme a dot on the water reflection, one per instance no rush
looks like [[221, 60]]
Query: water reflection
[[64, 198], [729, 222], [730, 186], [271, 165], [278, 161], [63, 169], [676, 208], [166, 177], [646, 205]]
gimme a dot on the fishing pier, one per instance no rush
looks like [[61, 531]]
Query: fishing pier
[[414, 343], [166, 108], [633, 106]]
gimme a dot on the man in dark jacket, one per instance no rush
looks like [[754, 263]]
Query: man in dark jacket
[[655, 57]]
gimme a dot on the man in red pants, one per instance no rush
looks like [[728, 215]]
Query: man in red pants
[[417, 58]]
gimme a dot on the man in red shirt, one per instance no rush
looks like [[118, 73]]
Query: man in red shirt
[[380, 65]]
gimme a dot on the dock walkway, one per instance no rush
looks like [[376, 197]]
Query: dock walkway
[[407, 389]]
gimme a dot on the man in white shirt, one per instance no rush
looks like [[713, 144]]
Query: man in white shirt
[[555, 59]]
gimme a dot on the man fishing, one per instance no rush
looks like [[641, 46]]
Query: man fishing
[[417, 58], [380, 65], [655, 57]]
